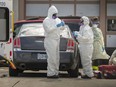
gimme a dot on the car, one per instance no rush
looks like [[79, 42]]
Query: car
[[29, 52]]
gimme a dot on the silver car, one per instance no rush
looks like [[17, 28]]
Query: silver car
[[29, 52]]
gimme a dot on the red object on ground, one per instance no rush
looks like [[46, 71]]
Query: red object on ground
[[108, 71], [107, 68]]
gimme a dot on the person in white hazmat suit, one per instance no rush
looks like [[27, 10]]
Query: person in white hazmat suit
[[52, 26], [100, 57], [85, 39], [112, 60]]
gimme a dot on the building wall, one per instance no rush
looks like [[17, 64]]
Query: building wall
[[16, 11], [111, 16], [104, 9], [75, 7]]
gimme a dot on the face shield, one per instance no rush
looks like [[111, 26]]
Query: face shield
[[95, 24], [54, 16], [81, 21]]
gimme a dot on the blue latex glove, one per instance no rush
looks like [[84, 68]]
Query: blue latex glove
[[59, 25], [75, 34], [62, 22]]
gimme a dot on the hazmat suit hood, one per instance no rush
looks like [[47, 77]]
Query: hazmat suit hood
[[85, 20], [52, 10]]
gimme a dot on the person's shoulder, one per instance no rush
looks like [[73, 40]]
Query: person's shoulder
[[114, 51], [98, 29], [58, 19], [46, 20], [88, 27]]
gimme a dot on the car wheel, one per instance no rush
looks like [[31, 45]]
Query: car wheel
[[73, 73], [13, 72]]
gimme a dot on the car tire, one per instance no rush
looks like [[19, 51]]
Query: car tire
[[13, 72], [74, 73], [20, 71]]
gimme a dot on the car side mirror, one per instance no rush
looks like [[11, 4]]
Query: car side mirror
[[4, 24]]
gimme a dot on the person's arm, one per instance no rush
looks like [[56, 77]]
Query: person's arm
[[87, 35], [48, 26]]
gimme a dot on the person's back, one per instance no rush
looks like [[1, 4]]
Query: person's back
[[112, 60]]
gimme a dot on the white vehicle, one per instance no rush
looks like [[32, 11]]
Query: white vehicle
[[6, 28]]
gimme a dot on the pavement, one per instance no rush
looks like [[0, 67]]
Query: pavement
[[38, 79]]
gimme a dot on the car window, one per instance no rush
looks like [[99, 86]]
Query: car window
[[32, 29], [36, 29], [65, 33], [17, 30], [73, 26]]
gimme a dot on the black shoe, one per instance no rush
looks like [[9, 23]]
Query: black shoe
[[53, 77], [85, 77], [79, 74]]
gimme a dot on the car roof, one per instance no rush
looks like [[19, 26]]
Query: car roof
[[40, 20]]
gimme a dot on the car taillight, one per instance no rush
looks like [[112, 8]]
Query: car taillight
[[17, 42], [70, 45]]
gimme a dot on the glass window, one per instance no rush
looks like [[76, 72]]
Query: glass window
[[32, 29], [111, 25], [62, 9], [65, 33], [111, 9], [37, 9], [4, 24], [36, 29], [87, 9]]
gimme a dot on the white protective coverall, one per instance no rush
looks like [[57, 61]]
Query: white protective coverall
[[85, 39], [98, 44], [51, 41], [112, 60]]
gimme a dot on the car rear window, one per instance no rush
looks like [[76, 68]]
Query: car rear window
[[36, 29], [65, 33], [32, 29]]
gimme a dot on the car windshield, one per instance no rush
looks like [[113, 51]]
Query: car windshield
[[36, 29]]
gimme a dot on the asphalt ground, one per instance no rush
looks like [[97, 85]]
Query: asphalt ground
[[38, 79]]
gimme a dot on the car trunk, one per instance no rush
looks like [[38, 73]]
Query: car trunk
[[37, 43]]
